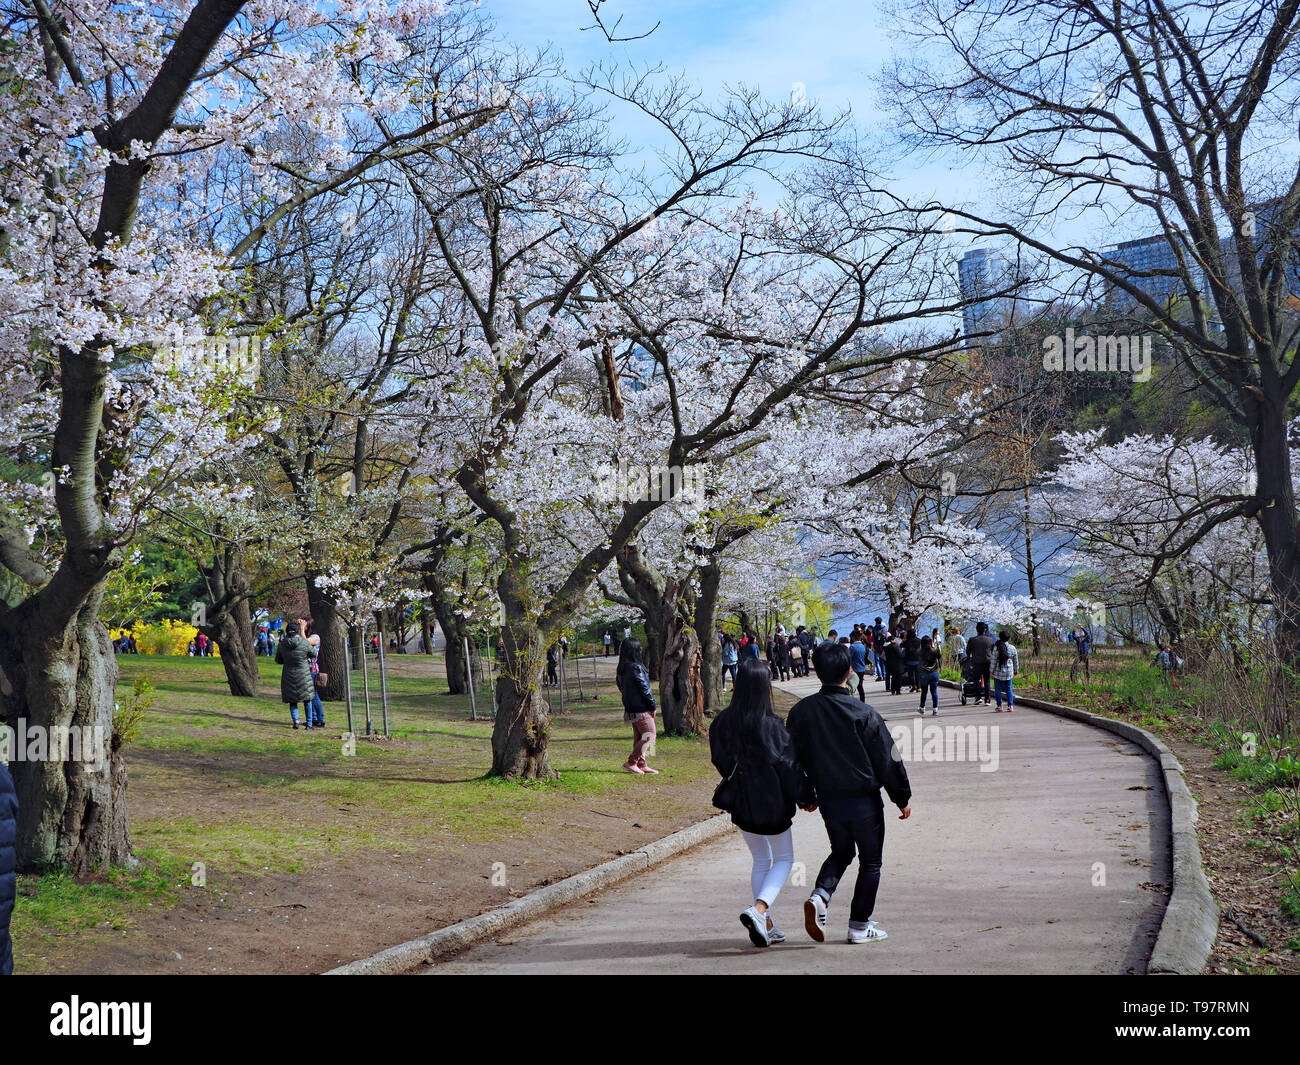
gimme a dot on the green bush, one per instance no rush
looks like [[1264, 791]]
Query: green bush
[[1141, 689], [128, 717]]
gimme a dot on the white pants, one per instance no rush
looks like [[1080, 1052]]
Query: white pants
[[773, 860]]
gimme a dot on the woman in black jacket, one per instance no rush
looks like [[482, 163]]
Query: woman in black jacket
[[633, 681], [297, 685], [762, 784], [912, 659], [894, 666]]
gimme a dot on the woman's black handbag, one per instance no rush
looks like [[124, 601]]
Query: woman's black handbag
[[726, 794]]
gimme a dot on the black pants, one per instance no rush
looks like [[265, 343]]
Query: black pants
[[864, 837], [862, 690], [981, 674], [894, 681]]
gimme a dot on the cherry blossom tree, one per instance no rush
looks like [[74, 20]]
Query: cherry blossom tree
[[636, 323], [1138, 511], [1133, 118], [114, 112]]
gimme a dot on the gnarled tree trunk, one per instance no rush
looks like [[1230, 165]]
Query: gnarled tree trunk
[[232, 630], [681, 692], [522, 728], [229, 623], [426, 628], [455, 632], [72, 811], [333, 639], [706, 631], [644, 586]]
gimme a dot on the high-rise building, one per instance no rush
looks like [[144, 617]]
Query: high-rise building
[[1263, 220], [1151, 265], [982, 272]]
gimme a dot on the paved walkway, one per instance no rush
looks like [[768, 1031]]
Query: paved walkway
[[995, 872]]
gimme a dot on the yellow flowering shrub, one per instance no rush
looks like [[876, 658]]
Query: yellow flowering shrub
[[166, 637]]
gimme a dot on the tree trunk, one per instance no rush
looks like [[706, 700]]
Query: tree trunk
[[645, 588], [60, 671], [229, 623], [523, 723], [681, 692], [426, 627], [455, 632], [232, 630], [706, 630], [333, 639], [355, 639], [72, 812], [1031, 575], [1277, 521]]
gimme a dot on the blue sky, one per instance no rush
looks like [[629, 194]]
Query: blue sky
[[833, 48]]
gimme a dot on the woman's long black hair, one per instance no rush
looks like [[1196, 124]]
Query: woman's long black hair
[[752, 699], [629, 655]]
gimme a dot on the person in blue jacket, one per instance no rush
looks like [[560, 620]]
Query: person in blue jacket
[[858, 659], [8, 865]]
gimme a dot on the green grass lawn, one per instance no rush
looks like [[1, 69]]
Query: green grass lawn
[[225, 782]]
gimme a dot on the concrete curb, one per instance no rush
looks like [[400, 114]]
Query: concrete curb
[[406, 956], [1191, 918]]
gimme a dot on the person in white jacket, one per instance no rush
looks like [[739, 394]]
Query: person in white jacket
[[1006, 664]]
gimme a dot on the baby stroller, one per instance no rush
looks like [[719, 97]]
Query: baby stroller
[[970, 687]]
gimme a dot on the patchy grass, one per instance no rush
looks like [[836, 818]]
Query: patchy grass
[[57, 904], [227, 782]]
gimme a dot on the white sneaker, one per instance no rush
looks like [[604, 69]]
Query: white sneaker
[[774, 934], [814, 917], [756, 923], [867, 934]]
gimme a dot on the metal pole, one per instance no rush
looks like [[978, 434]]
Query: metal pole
[[365, 680], [383, 674], [347, 675], [561, 657], [494, 670], [577, 672], [469, 676], [595, 680]]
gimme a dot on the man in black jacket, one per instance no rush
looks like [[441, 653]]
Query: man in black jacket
[[8, 836], [849, 755], [979, 649]]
